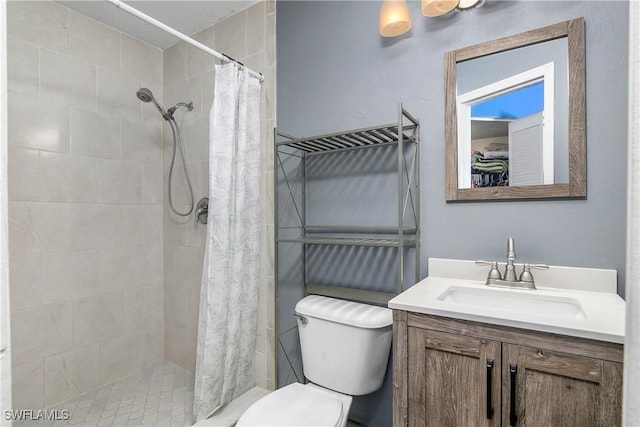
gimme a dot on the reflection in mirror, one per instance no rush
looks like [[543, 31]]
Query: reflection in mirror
[[507, 145], [515, 116], [523, 103]]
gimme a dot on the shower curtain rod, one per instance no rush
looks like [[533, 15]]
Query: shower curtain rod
[[181, 36]]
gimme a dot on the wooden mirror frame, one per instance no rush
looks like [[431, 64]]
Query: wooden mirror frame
[[574, 30]]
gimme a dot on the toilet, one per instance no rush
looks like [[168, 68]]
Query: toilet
[[345, 350]]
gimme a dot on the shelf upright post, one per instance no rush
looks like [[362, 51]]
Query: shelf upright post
[[304, 223], [276, 237], [416, 212], [400, 200]]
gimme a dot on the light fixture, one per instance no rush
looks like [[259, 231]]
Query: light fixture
[[468, 4], [433, 8], [395, 18]]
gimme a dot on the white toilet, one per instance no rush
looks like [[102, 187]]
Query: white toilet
[[345, 349]]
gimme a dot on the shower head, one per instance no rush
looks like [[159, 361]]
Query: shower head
[[145, 95]]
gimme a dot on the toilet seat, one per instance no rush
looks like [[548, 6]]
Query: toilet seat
[[297, 405]]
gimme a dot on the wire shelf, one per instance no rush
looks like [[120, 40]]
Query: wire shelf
[[394, 243], [387, 134]]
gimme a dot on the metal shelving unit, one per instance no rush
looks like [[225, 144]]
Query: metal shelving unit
[[405, 133]]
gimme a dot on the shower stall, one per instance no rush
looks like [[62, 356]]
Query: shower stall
[[105, 251]]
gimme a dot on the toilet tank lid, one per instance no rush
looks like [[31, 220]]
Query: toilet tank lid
[[345, 312]]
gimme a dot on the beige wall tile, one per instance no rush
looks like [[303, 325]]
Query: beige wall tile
[[185, 91], [25, 281], [143, 308], [71, 373], [23, 174], [152, 265], [22, 66], [256, 31], [94, 134], [196, 141], [169, 264], [141, 225], [38, 124], [94, 42], [199, 62], [28, 385], [69, 275], [260, 369], [119, 182], [38, 227], [140, 60], [175, 306], [189, 262], [67, 81], [174, 64], [271, 6], [41, 331], [116, 95], [231, 35], [271, 38], [122, 355], [182, 347], [256, 61], [67, 178], [154, 344], [45, 23], [181, 196], [95, 226], [208, 84], [152, 185], [142, 141], [119, 268], [97, 319], [204, 179]]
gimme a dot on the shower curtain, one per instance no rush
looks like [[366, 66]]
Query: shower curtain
[[230, 276], [631, 407]]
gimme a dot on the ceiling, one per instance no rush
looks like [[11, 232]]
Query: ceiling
[[186, 16]]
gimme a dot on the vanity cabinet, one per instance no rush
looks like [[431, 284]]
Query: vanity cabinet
[[450, 372]]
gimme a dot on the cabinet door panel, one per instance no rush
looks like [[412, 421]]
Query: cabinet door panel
[[448, 379], [556, 389]]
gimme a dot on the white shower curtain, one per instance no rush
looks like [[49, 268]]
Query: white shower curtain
[[631, 408], [230, 276]]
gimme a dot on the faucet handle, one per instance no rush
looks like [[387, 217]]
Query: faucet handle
[[526, 275], [494, 273], [537, 266]]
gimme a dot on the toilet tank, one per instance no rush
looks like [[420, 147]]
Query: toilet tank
[[345, 345]]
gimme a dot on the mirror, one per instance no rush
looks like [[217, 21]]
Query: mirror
[[515, 125]]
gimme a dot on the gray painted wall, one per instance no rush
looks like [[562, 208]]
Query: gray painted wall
[[335, 73]]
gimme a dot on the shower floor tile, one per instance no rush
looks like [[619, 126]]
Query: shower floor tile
[[161, 395]]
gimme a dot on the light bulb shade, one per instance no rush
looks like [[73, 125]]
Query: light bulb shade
[[433, 8], [468, 4], [395, 18]]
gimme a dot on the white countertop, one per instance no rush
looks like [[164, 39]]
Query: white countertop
[[602, 317]]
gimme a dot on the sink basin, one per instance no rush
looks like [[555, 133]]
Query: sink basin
[[515, 301]]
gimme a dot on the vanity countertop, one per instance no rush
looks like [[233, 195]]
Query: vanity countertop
[[598, 315]]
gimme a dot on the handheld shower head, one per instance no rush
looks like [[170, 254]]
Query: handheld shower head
[[145, 95]]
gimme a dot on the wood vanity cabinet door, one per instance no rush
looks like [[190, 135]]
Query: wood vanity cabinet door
[[448, 380], [558, 389]]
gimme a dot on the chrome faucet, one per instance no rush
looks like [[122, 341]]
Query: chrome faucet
[[510, 278]]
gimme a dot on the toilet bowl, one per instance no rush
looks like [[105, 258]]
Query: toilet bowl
[[298, 405], [345, 350]]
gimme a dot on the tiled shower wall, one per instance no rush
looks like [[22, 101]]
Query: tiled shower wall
[[248, 36], [86, 194]]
